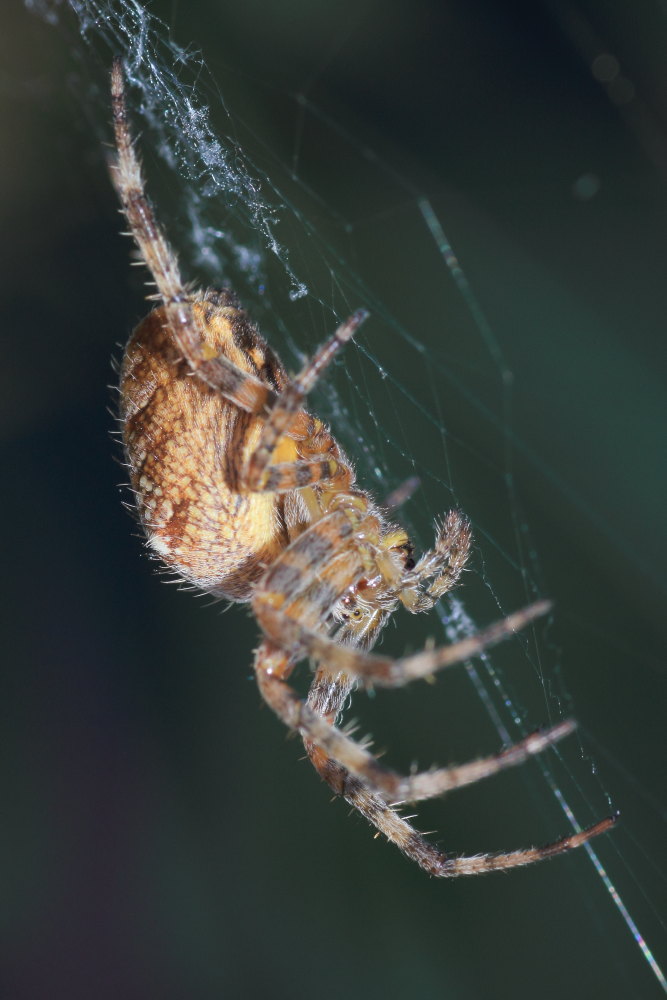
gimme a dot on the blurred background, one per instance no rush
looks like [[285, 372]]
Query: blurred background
[[161, 836]]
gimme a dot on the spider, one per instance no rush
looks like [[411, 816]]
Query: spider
[[248, 496]]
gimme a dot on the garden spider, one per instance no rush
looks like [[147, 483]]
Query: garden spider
[[246, 495]]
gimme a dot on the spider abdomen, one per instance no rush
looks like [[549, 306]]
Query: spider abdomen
[[183, 442]]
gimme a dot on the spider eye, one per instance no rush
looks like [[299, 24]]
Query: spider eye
[[406, 551], [355, 614]]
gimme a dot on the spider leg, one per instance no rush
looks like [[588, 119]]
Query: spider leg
[[272, 665], [443, 564], [384, 671], [128, 179], [259, 474], [327, 696], [438, 781], [335, 747], [308, 577], [181, 311]]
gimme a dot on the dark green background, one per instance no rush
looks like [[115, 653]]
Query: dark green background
[[160, 837]]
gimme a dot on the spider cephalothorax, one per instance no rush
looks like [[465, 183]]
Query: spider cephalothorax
[[245, 494]]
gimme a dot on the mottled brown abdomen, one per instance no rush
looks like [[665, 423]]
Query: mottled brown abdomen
[[185, 444]]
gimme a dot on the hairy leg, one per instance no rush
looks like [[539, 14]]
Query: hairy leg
[[272, 667], [180, 307], [260, 474], [314, 719], [370, 668]]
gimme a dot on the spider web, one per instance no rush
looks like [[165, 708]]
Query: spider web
[[308, 210]]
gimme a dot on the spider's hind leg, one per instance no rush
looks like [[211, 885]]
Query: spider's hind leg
[[335, 755], [181, 312], [328, 696], [273, 665], [321, 459]]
